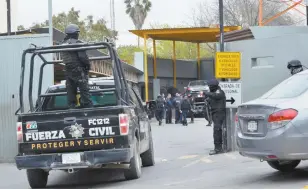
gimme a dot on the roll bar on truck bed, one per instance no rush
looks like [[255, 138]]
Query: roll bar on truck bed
[[117, 70]]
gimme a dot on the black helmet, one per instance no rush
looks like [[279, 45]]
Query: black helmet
[[213, 82], [72, 29]]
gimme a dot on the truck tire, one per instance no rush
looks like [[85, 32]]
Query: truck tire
[[284, 167], [134, 171], [37, 178], [148, 156]]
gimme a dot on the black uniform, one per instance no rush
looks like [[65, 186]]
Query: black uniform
[[185, 107], [217, 101], [77, 66], [169, 106], [192, 116], [160, 107], [177, 103]]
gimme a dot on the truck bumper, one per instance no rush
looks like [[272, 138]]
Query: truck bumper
[[89, 159]]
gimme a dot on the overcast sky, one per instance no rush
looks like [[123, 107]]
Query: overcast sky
[[172, 12]]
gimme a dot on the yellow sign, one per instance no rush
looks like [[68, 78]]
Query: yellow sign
[[228, 65], [72, 143]]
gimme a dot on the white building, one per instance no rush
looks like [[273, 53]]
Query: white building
[[3, 14]]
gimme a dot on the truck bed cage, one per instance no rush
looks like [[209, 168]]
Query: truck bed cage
[[117, 69]]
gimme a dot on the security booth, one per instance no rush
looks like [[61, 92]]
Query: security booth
[[193, 35]]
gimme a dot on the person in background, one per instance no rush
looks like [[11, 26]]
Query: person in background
[[191, 101], [217, 101], [185, 107], [295, 66], [177, 103], [160, 106], [169, 107]]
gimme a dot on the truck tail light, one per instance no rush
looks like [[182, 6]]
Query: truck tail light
[[281, 118], [124, 124], [19, 132], [236, 120]]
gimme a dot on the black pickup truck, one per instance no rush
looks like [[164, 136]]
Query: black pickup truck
[[115, 133]]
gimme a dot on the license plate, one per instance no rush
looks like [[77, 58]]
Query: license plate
[[252, 126], [71, 158]]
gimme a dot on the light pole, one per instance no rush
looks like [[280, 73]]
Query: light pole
[[8, 16], [50, 21], [221, 27], [307, 12]]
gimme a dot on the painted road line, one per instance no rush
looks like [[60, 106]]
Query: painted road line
[[187, 157], [306, 187], [184, 181], [160, 160], [191, 163], [206, 160]]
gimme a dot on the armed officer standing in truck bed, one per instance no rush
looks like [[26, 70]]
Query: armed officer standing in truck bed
[[217, 101], [77, 66]]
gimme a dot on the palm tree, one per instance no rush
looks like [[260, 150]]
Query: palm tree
[[138, 11]]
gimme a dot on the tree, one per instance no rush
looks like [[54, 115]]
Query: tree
[[241, 13], [20, 27], [184, 50], [138, 11], [126, 53], [90, 30]]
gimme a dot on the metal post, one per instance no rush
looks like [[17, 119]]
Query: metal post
[[174, 64], [260, 12], [154, 60], [50, 21], [222, 49], [307, 12], [8, 18], [199, 61], [146, 78], [221, 25]]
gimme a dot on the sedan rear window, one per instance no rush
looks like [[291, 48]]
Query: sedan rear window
[[289, 88]]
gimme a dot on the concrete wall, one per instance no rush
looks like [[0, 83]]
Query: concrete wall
[[264, 61], [11, 49]]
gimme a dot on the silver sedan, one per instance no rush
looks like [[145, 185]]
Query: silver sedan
[[274, 127]]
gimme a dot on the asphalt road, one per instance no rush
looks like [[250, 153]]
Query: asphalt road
[[182, 161]]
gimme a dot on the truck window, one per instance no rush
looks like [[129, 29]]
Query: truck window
[[100, 99]]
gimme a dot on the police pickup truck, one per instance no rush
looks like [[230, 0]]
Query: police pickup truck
[[196, 89], [54, 137]]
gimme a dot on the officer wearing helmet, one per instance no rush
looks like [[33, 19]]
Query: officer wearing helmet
[[160, 107], [295, 66], [77, 66], [217, 101]]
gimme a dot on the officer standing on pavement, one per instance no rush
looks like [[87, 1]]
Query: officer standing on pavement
[[160, 106], [169, 107], [177, 103], [77, 66], [217, 101], [185, 107], [191, 101]]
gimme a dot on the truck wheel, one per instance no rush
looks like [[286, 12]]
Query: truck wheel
[[37, 178], [148, 156], [134, 171], [288, 166]]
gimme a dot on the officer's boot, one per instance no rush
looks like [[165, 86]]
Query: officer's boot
[[217, 150], [160, 122]]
